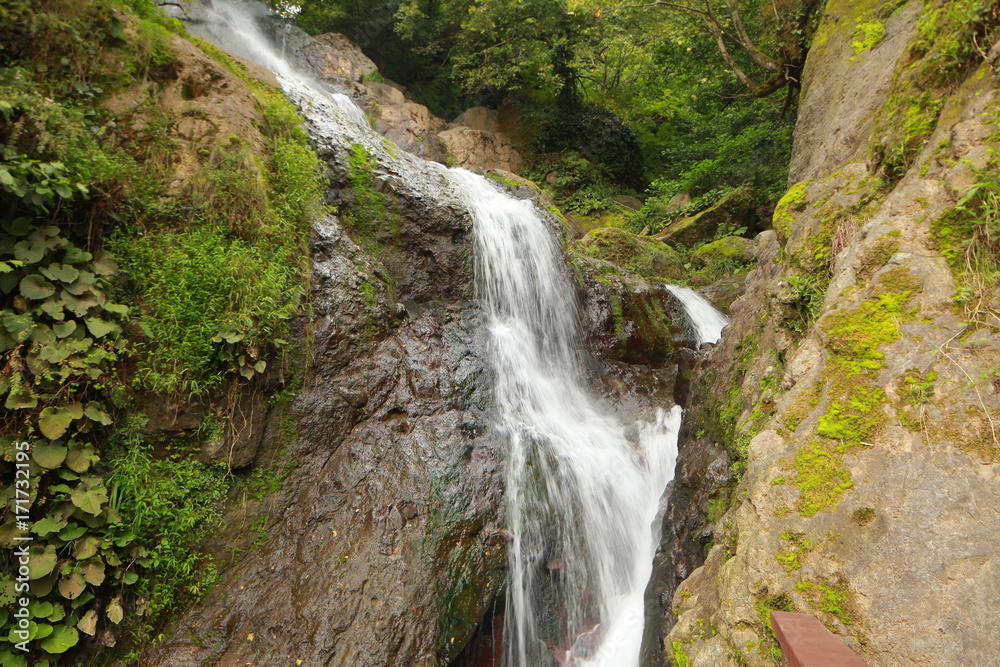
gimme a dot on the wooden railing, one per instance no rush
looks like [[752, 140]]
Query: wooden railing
[[805, 642]]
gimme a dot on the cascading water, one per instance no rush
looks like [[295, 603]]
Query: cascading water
[[706, 321], [582, 489], [581, 496]]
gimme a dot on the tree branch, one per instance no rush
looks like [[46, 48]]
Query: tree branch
[[747, 43]]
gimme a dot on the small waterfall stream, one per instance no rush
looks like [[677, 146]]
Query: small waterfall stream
[[583, 488]]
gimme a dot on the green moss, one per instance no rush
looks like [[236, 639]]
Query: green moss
[[791, 559], [863, 516], [678, 658], [855, 335], [368, 218], [803, 405], [820, 477], [830, 596], [867, 35], [784, 211], [855, 418], [646, 257], [876, 256]]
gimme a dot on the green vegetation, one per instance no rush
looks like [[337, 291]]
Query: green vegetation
[[829, 596], [867, 35], [863, 516], [968, 236], [791, 559], [944, 49], [110, 290]]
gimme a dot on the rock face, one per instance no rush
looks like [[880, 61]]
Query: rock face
[[858, 403], [473, 141]]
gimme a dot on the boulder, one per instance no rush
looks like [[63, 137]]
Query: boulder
[[479, 118], [646, 257], [471, 149], [735, 210]]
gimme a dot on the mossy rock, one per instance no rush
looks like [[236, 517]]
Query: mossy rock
[[734, 249], [736, 209], [647, 257]]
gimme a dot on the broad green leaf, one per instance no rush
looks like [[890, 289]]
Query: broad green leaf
[[63, 329], [90, 496], [99, 328], [71, 532], [62, 639], [41, 561], [130, 578], [47, 525], [82, 285], [62, 272], [17, 226], [54, 421], [72, 587], [76, 256], [88, 624], [117, 308], [104, 263], [49, 455], [85, 547], [79, 459], [41, 609], [114, 611], [53, 307], [80, 305], [20, 398], [9, 281], [18, 325], [93, 571], [36, 287], [28, 252]]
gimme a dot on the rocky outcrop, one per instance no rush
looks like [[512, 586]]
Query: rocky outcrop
[[857, 404], [471, 149], [473, 141]]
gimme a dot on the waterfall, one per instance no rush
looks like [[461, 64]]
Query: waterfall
[[583, 489], [581, 494], [706, 321]]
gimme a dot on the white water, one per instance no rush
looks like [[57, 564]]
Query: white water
[[582, 488], [234, 27], [581, 496], [707, 322]]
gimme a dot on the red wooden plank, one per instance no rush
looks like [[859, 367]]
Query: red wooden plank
[[805, 642]]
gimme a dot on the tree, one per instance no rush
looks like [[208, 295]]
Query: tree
[[787, 37]]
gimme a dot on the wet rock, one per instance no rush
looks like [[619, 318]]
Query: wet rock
[[627, 318], [645, 257]]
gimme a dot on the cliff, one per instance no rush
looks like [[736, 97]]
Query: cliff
[[841, 454]]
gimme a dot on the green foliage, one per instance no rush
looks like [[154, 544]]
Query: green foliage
[[69, 349], [169, 503], [792, 201], [368, 217], [863, 516], [644, 256], [678, 658], [945, 49], [968, 235]]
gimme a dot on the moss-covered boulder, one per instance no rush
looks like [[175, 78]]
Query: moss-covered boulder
[[647, 257], [736, 210], [731, 249]]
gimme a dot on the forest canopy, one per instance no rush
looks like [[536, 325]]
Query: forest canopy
[[657, 97]]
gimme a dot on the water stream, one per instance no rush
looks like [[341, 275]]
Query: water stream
[[583, 488]]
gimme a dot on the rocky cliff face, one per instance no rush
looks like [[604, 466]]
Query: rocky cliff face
[[857, 387]]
